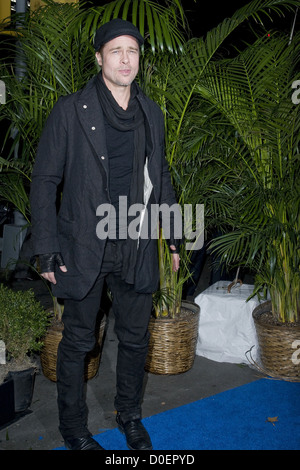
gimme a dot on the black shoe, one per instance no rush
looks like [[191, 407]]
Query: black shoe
[[82, 443], [136, 435]]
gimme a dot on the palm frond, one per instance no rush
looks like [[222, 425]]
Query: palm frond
[[163, 25]]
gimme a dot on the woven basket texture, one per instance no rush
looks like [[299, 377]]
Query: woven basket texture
[[277, 344], [172, 343]]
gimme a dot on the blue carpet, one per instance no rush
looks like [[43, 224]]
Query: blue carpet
[[238, 419]]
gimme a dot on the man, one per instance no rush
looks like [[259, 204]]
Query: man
[[105, 144]]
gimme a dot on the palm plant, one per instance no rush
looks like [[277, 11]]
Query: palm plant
[[52, 59], [252, 93], [201, 140], [239, 144]]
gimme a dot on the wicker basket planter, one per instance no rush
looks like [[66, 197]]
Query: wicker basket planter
[[52, 339], [278, 345], [172, 344]]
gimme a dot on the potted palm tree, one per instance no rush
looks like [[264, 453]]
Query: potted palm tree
[[23, 323], [199, 141], [174, 324], [251, 93]]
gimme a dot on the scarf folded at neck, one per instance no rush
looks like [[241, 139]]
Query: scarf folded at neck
[[130, 119], [124, 120]]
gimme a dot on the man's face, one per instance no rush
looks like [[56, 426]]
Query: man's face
[[119, 60]]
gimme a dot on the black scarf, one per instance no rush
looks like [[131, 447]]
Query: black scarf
[[130, 119]]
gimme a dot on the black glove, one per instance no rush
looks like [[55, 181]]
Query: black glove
[[48, 262]]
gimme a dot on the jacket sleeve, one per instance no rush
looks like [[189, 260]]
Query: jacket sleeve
[[46, 176]]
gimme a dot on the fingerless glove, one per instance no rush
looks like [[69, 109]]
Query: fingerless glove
[[48, 262]]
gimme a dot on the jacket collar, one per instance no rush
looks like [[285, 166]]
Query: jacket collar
[[91, 117]]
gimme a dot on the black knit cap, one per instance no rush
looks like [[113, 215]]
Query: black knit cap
[[115, 28]]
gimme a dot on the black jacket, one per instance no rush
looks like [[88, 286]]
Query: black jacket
[[72, 151]]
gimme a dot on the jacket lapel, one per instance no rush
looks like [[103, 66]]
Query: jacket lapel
[[90, 115]]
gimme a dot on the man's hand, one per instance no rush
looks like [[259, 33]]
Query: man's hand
[[175, 259], [48, 264]]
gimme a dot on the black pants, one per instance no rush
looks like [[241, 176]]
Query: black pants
[[132, 314]]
